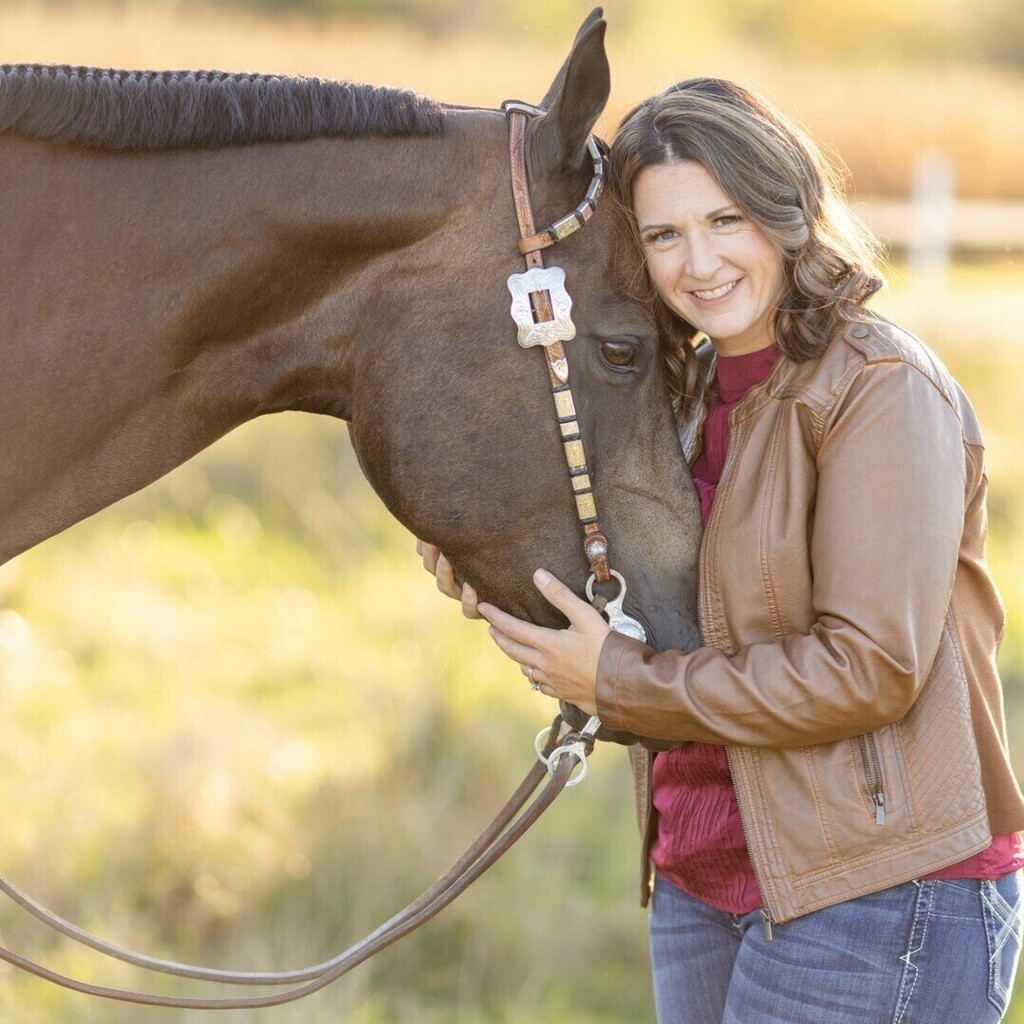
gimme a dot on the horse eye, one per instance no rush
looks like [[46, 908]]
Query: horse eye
[[620, 354]]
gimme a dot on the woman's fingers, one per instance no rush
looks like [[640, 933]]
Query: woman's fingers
[[445, 576], [435, 563], [577, 611], [429, 553], [469, 602], [515, 649], [518, 630], [565, 654]]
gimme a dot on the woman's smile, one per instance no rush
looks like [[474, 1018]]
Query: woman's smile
[[716, 293]]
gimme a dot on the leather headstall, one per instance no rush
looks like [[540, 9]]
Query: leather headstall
[[541, 309]]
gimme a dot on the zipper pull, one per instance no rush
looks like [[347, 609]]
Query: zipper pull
[[766, 924], [879, 807]]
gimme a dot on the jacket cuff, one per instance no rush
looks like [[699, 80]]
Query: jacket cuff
[[613, 705]]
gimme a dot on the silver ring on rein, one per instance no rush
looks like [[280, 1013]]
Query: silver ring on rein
[[577, 750]]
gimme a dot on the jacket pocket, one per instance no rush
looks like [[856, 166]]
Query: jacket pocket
[[821, 805]]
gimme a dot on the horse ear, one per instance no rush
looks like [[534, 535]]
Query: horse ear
[[576, 98], [592, 19]]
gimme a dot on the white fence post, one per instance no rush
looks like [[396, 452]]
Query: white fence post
[[930, 239]]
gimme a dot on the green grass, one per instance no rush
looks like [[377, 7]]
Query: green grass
[[244, 729]]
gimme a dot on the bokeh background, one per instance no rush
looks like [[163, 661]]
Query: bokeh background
[[239, 725]]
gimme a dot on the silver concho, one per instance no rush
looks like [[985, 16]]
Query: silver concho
[[539, 279]]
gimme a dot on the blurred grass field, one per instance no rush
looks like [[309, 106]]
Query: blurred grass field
[[242, 728], [846, 71]]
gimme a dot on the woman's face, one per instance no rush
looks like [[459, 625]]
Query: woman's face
[[711, 264]]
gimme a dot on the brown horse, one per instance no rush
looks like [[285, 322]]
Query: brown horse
[[185, 252]]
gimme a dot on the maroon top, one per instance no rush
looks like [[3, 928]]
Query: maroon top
[[700, 846]]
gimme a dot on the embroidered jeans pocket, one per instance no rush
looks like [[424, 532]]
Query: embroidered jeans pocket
[[1001, 909]]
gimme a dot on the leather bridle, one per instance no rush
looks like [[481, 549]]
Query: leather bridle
[[540, 307]]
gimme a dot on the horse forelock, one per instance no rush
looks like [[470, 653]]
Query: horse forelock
[[148, 110]]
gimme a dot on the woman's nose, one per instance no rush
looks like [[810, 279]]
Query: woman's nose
[[701, 260]]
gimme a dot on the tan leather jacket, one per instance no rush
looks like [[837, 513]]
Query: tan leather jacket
[[851, 628]]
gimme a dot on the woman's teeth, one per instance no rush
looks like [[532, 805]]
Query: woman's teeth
[[716, 293]]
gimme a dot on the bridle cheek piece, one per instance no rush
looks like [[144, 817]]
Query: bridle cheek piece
[[541, 309]]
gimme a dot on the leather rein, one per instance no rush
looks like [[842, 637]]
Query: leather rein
[[558, 757], [541, 309]]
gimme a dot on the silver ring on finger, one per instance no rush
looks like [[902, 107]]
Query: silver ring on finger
[[534, 685]]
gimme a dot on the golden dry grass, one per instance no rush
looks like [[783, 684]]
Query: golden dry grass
[[876, 113]]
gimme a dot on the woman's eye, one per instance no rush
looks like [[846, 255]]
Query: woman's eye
[[727, 221], [659, 236], [620, 354]]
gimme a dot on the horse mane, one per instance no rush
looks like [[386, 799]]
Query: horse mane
[[149, 110]]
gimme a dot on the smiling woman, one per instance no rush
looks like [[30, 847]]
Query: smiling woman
[[840, 775], [748, 162]]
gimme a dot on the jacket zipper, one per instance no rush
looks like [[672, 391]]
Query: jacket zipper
[[873, 771], [766, 913], [767, 918]]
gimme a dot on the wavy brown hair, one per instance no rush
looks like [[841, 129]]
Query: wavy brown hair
[[777, 175]]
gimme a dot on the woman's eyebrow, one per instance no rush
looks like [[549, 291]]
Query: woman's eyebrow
[[707, 216]]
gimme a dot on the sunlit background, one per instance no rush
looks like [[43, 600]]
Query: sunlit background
[[241, 727]]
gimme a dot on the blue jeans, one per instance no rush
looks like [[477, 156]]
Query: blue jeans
[[919, 953]]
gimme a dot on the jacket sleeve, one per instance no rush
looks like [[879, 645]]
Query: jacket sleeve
[[887, 526]]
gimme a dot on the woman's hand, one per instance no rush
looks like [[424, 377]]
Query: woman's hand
[[435, 562], [563, 661]]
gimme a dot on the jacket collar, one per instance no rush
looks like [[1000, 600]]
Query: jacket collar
[[691, 431]]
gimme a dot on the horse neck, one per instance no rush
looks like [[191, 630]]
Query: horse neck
[[156, 301]]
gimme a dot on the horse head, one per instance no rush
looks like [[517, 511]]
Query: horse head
[[454, 424], [339, 249]]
